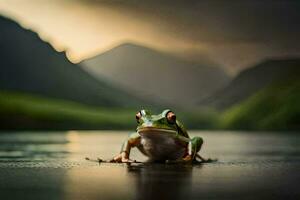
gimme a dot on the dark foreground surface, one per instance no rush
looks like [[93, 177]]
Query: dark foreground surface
[[51, 166]]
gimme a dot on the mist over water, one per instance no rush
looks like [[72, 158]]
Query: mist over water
[[51, 165]]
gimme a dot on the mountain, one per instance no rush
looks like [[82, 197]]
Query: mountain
[[251, 80], [155, 75], [276, 107], [31, 65]]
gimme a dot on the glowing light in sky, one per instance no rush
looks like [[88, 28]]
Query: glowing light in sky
[[83, 30]]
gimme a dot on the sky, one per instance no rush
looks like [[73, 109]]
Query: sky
[[234, 34]]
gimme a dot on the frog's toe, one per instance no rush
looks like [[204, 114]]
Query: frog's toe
[[127, 160], [117, 158], [206, 160], [209, 160], [188, 158]]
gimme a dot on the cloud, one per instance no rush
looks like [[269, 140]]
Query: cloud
[[219, 21], [233, 33]]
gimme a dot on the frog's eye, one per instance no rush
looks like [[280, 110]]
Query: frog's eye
[[171, 117], [138, 116]]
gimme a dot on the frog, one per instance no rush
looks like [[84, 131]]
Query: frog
[[161, 138]]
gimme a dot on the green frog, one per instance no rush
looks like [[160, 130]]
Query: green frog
[[161, 138]]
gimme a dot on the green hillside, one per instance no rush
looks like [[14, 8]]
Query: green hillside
[[277, 107], [249, 81], [20, 111]]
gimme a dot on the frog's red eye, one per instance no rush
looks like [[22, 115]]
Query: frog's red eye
[[138, 116], [171, 117]]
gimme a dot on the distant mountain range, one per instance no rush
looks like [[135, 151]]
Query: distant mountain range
[[41, 89], [155, 75], [31, 65], [252, 80]]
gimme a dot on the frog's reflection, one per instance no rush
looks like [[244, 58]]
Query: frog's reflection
[[160, 181]]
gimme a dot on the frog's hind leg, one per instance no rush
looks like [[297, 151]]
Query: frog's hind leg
[[195, 146], [193, 150], [197, 143]]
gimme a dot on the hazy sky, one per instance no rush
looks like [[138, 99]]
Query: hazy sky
[[234, 34]]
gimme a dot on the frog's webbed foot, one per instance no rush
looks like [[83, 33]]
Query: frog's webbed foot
[[186, 160], [205, 160], [122, 158], [190, 160], [122, 161]]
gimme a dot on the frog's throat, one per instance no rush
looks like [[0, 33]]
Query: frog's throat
[[151, 130]]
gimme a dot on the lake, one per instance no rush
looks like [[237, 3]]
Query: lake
[[52, 165]]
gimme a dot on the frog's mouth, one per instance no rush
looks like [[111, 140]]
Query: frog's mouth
[[151, 130]]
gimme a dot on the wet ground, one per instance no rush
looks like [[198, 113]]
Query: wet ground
[[43, 165]]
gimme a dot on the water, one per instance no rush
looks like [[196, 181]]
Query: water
[[42, 165]]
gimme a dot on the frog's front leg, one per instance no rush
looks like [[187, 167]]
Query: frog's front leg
[[132, 141], [193, 147]]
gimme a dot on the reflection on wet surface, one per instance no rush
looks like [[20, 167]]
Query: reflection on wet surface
[[42, 165], [161, 181]]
